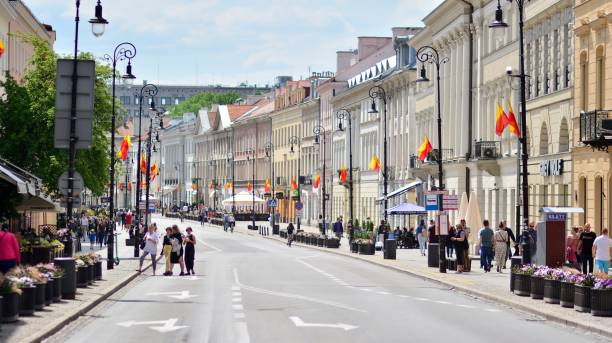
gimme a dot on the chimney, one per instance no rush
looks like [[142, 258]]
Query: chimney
[[344, 60], [369, 45]]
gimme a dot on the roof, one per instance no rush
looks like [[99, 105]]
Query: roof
[[401, 190], [561, 210], [406, 208], [264, 106], [237, 111]]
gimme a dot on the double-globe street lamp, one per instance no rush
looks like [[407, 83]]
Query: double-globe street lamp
[[344, 114], [230, 163], [499, 23], [377, 92], [148, 91], [269, 148], [319, 130], [155, 115], [251, 155], [428, 54], [122, 51], [295, 140], [98, 25]]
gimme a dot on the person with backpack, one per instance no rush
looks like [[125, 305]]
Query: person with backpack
[[176, 256], [167, 250]]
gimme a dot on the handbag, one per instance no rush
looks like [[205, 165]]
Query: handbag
[[143, 243]]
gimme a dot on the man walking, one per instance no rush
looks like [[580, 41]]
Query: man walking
[[511, 238], [289, 234], [585, 248], [422, 237], [338, 229], [486, 246], [601, 251]]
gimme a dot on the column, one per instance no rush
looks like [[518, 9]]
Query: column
[[466, 95]]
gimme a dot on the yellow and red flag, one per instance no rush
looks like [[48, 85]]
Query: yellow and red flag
[[211, 185], [425, 149], [317, 181], [154, 171], [267, 186], [249, 187], [120, 186], [1, 47], [129, 186], [228, 185], [375, 163], [125, 147], [194, 186], [293, 184], [343, 174], [514, 128], [501, 120], [143, 164]]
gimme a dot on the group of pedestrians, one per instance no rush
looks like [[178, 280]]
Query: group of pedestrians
[[176, 249], [588, 252], [94, 228]]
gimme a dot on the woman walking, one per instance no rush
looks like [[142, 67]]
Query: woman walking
[[167, 250], [190, 242], [150, 247], [501, 246], [461, 248], [177, 249]]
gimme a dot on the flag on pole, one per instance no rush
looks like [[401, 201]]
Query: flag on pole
[[1, 47], [501, 120], [120, 186], [228, 185], [425, 149], [249, 187], [514, 128], [343, 174], [125, 147], [375, 163], [154, 171], [211, 185], [143, 164], [129, 186], [267, 186], [317, 181], [293, 184]]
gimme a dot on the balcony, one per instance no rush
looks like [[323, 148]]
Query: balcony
[[596, 129], [433, 156], [487, 150]]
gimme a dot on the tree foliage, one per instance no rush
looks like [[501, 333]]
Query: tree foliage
[[27, 119], [203, 99]]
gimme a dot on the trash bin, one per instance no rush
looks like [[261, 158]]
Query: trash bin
[[515, 261], [276, 229], [433, 255], [68, 265], [391, 247]]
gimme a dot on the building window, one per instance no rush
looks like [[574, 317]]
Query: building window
[[584, 71], [544, 140], [563, 136], [600, 72]]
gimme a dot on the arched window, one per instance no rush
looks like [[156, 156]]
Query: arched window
[[582, 199], [584, 71], [600, 83], [543, 139], [563, 136]]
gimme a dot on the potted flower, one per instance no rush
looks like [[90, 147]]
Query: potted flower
[[332, 242], [552, 286], [582, 292], [56, 275], [354, 247], [40, 282], [47, 275], [365, 246], [9, 295], [321, 240], [81, 271], [97, 265], [566, 298], [19, 277], [601, 297], [537, 282], [522, 279]]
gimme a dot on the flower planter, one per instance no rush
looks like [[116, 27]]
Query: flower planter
[[321, 242], [582, 298], [57, 289], [90, 274], [366, 249], [69, 280], [601, 302], [354, 247], [39, 298], [81, 277], [10, 307], [522, 285], [552, 291], [26, 301], [537, 287], [332, 243], [567, 294], [49, 292], [98, 270]]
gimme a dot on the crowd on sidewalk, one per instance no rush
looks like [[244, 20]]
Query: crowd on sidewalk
[[176, 248]]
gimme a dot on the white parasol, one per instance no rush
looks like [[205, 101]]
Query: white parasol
[[243, 199], [463, 206], [473, 220]]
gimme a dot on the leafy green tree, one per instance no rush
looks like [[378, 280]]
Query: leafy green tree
[[27, 119], [203, 99]]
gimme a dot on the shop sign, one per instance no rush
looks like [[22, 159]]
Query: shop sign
[[551, 167]]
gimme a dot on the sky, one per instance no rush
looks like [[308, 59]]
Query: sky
[[201, 42]]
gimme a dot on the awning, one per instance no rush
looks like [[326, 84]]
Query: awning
[[20, 182], [401, 190], [36, 203], [406, 208], [243, 199], [562, 210]]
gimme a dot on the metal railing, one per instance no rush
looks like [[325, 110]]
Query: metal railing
[[487, 150], [433, 156], [596, 127]]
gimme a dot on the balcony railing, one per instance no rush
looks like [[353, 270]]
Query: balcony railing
[[433, 156], [596, 129], [487, 150]]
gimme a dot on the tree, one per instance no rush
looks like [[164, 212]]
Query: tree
[[201, 100], [27, 119]]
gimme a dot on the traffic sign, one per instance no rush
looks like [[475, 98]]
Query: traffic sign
[[299, 213], [431, 203], [299, 205], [77, 184], [272, 203], [450, 202], [442, 224]]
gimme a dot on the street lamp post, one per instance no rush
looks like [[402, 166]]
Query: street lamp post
[[250, 152], [499, 23], [319, 130], [127, 180], [148, 91], [270, 154], [122, 51], [148, 171], [98, 25], [293, 140], [428, 54], [377, 92], [342, 115], [230, 161]]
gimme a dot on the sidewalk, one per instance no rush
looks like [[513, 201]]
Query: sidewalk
[[490, 286], [45, 323]]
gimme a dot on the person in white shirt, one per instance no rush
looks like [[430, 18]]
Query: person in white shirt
[[84, 221], [150, 247], [601, 251]]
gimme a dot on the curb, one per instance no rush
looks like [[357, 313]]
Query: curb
[[57, 327], [468, 291]]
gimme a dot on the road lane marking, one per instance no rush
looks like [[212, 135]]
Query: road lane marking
[[300, 323], [237, 307], [181, 295], [239, 315], [209, 245], [242, 332], [236, 294], [168, 325], [293, 296], [383, 293], [235, 288], [236, 300]]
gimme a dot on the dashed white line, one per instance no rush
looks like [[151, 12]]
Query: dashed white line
[[383, 293], [237, 307], [235, 288], [236, 300], [236, 294], [238, 315]]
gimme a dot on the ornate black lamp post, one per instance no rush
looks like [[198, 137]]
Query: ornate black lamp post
[[230, 163], [122, 51], [251, 155], [428, 54], [318, 131], [270, 154], [295, 140], [342, 115], [377, 92]]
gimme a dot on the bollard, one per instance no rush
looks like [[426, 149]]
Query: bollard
[[69, 280]]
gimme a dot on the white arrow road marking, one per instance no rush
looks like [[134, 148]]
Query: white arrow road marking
[[167, 325], [182, 295], [300, 323]]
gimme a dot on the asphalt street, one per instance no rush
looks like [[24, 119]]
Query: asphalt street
[[250, 289]]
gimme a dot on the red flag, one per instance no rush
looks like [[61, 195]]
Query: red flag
[[129, 186], [425, 149], [293, 184], [267, 186], [143, 164], [343, 174], [249, 187], [154, 171], [125, 147], [317, 181], [375, 163], [501, 120], [514, 128], [120, 186], [211, 185], [1, 48]]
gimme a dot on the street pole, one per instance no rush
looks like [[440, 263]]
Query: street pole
[[270, 154], [148, 91], [428, 54], [346, 114], [122, 51], [318, 131], [250, 152], [293, 140], [379, 92]]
